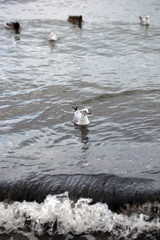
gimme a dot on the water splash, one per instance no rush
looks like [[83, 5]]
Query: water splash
[[59, 215]]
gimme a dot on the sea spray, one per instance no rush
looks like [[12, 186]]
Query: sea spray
[[60, 215]]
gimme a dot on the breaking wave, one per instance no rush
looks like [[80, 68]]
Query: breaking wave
[[120, 208]]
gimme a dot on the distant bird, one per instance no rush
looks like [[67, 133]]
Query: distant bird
[[144, 20], [76, 20], [13, 26], [81, 116], [52, 36]]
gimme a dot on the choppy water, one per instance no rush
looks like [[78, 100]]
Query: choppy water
[[111, 66]]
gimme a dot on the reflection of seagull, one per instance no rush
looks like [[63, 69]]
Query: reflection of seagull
[[80, 116], [13, 26], [144, 20], [84, 134], [52, 36]]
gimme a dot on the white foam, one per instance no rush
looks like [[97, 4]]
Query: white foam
[[76, 218]]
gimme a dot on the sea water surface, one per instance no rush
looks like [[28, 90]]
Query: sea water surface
[[110, 66]]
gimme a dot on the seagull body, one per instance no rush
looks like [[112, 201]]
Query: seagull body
[[144, 20], [80, 116], [13, 26], [52, 36]]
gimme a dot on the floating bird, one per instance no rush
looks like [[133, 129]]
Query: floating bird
[[144, 20], [13, 26], [80, 116], [52, 36], [75, 20]]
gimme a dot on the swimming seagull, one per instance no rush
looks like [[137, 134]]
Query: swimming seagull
[[80, 116], [144, 20], [75, 20], [52, 36], [13, 26]]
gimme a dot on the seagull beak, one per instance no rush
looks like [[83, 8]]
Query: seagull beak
[[89, 113]]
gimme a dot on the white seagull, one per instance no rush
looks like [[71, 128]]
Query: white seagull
[[80, 116], [52, 36], [144, 20]]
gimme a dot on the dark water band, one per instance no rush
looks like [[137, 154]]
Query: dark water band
[[113, 190]]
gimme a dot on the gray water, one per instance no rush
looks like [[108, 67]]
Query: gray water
[[110, 65]]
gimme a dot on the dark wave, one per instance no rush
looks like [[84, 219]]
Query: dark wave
[[117, 192], [133, 92]]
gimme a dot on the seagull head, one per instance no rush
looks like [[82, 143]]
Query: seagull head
[[147, 17], [85, 111]]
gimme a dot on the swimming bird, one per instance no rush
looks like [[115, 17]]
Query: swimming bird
[[81, 116], [75, 20], [13, 26], [144, 20], [52, 36]]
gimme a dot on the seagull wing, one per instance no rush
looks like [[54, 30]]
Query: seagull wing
[[77, 117]]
